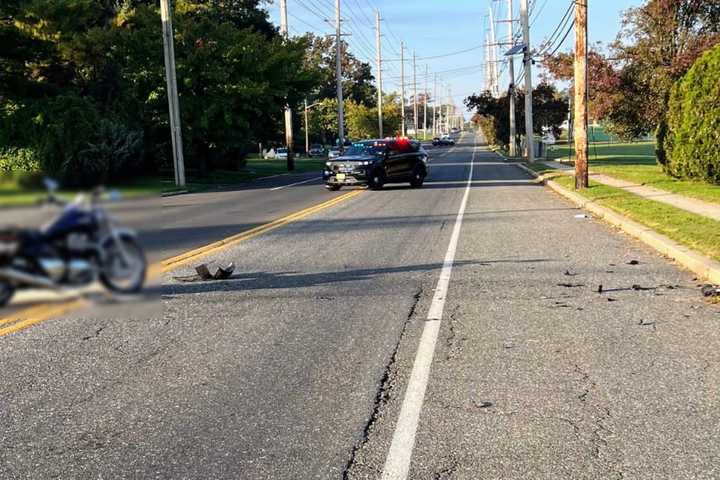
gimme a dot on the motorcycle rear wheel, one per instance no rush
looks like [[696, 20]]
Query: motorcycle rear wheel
[[118, 277]]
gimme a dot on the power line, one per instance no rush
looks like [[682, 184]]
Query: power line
[[449, 54]]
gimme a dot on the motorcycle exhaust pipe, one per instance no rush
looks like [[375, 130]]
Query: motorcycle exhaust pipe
[[23, 278]]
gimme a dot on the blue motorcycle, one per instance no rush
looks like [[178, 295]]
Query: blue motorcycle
[[81, 246]]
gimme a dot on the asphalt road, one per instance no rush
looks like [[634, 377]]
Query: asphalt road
[[297, 367]]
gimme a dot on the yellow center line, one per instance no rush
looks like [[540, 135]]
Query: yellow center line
[[28, 317]]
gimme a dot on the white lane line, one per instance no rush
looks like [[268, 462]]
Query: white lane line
[[397, 463], [296, 183]]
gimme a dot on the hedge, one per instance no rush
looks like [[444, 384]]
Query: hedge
[[692, 140]]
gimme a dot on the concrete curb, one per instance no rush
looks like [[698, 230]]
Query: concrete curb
[[702, 266]]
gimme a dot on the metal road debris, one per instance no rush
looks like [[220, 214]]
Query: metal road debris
[[204, 273], [710, 291]]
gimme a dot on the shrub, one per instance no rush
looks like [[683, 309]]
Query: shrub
[[692, 141]]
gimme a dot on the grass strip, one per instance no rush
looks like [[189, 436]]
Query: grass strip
[[635, 162], [694, 231]]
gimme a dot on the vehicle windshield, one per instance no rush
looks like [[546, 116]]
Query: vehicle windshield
[[365, 149]]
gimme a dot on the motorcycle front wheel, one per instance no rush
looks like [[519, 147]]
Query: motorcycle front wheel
[[6, 293], [125, 265]]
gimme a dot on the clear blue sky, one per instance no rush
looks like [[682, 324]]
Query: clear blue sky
[[433, 27]]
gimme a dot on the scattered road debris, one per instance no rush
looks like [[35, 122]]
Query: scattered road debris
[[204, 273], [571, 285], [633, 262], [582, 215], [482, 404], [639, 288], [600, 289], [711, 291]]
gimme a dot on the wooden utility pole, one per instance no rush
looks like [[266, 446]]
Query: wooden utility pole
[[511, 73], [172, 93], [289, 143], [435, 112], [415, 97], [402, 89], [378, 45], [581, 106], [425, 102], [307, 133], [527, 57], [338, 73]]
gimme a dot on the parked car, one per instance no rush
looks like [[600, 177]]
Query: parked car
[[443, 141], [281, 154], [316, 150], [377, 162]]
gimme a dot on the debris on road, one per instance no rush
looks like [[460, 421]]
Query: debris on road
[[633, 262], [582, 215], [639, 288], [710, 291], [204, 274]]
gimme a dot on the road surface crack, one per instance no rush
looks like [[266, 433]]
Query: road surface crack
[[384, 391]]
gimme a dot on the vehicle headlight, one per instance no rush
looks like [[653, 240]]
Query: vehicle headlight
[[328, 164], [367, 162]]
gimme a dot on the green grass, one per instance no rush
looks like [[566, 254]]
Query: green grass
[[256, 168], [635, 162], [13, 195], [694, 231]]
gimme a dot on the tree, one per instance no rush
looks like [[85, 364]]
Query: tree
[[658, 43], [603, 78], [492, 114], [361, 120], [693, 122], [77, 75], [357, 78]]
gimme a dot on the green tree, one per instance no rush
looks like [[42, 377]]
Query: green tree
[[693, 121], [492, 113], [357, 78], [75, 75]]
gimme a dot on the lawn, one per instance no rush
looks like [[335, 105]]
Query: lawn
[[635, 162], [11, 194], [254, 169], [694, 231]]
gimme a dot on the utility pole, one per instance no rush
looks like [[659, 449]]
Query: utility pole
[[173, 101], [581, 106], [338, 73], [402, 88], [527, 58], [511, 70], [378, 46], [435, 105], [288, 112], [493, 54], [415, 97], [425, 102], [307, 134]]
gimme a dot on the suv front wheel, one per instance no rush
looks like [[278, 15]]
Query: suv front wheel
[[376, 180]]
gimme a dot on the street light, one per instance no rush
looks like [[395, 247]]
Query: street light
[[307, 134]]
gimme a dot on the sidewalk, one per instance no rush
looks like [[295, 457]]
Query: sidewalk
[[698, 207]]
